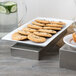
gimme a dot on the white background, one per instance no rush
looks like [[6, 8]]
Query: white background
[[64, 9]]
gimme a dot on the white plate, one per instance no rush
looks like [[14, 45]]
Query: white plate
[[68, 23], [69, 41]]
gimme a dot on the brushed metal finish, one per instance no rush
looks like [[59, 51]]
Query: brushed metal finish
[[34, 52], [67, 57], [26, 51]]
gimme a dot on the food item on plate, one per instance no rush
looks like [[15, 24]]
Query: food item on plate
[[52, 28], [17, 36], [39, 30], [29, 29], [23, 32], [50, 22], [39, 24], [36, 38], [74, 37], [47, 31], [34, 26], [58, 22], [42, 21], [42, 34], [54, 25]]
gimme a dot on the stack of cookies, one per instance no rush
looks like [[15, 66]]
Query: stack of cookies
[[38, 31]]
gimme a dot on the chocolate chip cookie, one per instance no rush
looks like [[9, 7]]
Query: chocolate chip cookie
[[42, 34], [36, 38], [47, 31], [39, 24], [29, 29], [34, 26], [17, 36], [23, 32]]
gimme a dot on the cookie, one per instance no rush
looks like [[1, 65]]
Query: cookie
[[42, 34], [59, 23], [34, 26], [42, 21], [35, 38], [74, 36], [47, 31], [17, 36], [23, 32], [54, 25], [39, 24], [29, 29], [52, 28]]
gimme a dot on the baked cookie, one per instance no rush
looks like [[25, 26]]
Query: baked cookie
[[52, 28], [39, 24], [59, 22], [74, 37], [34, 26], [42, 21], [17, 36], [54, 25], [29, 29], [35, 38], [23, 32], [47, 31], [42, 34]]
